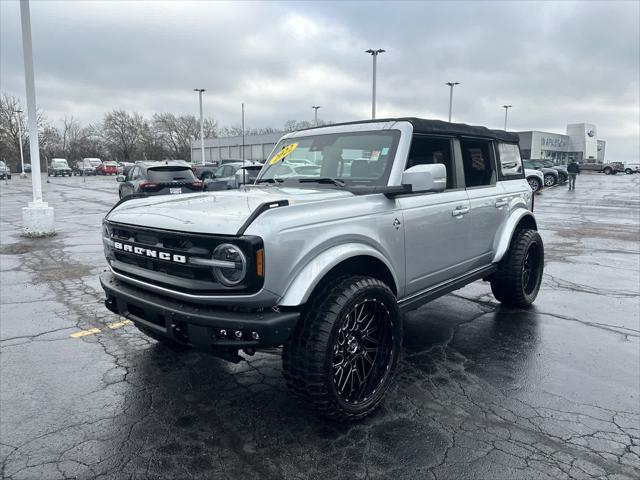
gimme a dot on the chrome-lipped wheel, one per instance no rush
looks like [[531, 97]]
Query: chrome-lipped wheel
[[363, 351]]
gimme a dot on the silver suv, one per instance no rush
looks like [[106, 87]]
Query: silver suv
[[347, 227]]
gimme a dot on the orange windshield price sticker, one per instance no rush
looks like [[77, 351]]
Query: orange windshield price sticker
[[283, 153]]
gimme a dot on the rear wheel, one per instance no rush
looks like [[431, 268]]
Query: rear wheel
[[562, 177], [549, 180], [608, 171], [628, 171], [519, 275], [534, 183], [344, 351]]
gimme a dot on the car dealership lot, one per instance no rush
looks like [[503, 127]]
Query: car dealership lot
[[483, 391]]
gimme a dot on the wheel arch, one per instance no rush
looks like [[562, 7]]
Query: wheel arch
[[521, 219], [356, 259]]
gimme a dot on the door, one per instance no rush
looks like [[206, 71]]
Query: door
[[436, 224], [488, 202], [128, 187]]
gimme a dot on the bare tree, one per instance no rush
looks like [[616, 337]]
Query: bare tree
[[122, 133]]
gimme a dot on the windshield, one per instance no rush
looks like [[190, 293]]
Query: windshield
[[355, 158], [94, 162], [59, 163], [170, 174], [110, 164]]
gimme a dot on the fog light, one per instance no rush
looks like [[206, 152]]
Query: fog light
[[223, 333], [255, 335], [238, 334]]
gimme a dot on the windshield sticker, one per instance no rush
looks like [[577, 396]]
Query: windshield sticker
[[385, 150], [375, 155], [283, 153]]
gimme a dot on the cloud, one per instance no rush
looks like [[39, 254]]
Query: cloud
[[555, 62]]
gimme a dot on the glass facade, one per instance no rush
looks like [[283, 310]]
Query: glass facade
[[560, 158]]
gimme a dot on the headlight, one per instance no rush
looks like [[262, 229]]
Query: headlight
[[236, 270]]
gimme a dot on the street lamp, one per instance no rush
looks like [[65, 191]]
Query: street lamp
[[506, 110], [22, 175], [315, 108], [374, 54], [200, 92], [451, 85]]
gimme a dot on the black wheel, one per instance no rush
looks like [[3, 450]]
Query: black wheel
[[517, 281], [162, 339], [608, 171], [343, 354], [534, 183], [628, 171], [562, 177], [549, 180]]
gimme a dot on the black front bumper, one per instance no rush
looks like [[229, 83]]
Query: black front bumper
[[200, 326]]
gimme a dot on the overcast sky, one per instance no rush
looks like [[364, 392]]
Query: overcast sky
[[555, 62]]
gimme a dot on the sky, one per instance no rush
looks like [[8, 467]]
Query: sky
[[555, 62]]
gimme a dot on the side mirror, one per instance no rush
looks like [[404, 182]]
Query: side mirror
[[120, 178], [426, 178]]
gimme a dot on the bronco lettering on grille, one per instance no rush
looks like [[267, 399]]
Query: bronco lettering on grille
[[148, 252]]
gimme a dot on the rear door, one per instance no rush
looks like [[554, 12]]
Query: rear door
[[436, 224], [488, 202]]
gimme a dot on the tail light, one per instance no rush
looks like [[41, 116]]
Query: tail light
[[148, 185], [196, 184]]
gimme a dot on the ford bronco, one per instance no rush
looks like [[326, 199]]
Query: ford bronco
[[326, 260]]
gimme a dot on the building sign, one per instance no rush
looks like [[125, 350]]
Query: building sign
[[553, 142], [591, 133]]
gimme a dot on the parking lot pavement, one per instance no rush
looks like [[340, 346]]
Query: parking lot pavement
[[483, 392]]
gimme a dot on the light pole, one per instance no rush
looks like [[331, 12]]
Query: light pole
[[22, 175], [315, 114], [451, 85], [37, 217], [374, 54], [506, 110], [200, 91]]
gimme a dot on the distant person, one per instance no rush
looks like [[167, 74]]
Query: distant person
[[573, 169]]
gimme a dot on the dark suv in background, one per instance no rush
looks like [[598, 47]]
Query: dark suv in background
[[158, 178]]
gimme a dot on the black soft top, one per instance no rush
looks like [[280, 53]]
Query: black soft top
[[422, 125]]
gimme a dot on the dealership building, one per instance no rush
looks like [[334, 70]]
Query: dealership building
[[580, 143], [256, 147]]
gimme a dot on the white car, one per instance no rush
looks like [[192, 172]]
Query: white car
[[630, 168], [535, 178]]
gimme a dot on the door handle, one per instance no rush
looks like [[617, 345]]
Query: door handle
[[502, 202], [459, 211]]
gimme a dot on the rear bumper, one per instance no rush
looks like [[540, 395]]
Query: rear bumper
[[200, 326]]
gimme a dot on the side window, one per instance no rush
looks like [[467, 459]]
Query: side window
[[510, 162], [132, 173], [425, 150], [478, 163]]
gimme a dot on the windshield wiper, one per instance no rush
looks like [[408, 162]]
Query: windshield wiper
[[335, 181], [270, 180]]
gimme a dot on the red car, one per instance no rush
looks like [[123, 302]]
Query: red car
[[107, 168]]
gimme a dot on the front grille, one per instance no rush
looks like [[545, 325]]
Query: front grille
[[168, 273]]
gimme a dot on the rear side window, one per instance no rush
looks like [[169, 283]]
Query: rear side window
[[170, 174], [478, 162], [510, 162]]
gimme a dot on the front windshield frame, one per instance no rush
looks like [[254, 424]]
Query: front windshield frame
[[347, 181]]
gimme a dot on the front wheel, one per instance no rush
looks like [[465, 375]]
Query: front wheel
[[628, 171], [519, 275], [343, 354], [535, 184], [549, 180], [608, 171], [562, 177]]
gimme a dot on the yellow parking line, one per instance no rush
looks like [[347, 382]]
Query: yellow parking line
[[84, 333], [119, 324]]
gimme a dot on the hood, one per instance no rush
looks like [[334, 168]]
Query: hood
[[221, 213]]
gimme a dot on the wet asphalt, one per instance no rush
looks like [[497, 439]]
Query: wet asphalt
[[483, 392]]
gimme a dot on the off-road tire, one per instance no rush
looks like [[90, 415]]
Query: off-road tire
[[628, 171], [509, 284], [162, 339], [308, 356], [608, 171]]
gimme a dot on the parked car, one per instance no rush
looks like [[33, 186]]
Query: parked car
[[84, 167], [535, 179], [205, 170], [551, 176], [630, 168], [59, 167], [27, 168], [158, 178], [327, 264], [230, 176], [563, 175], [126, 166], [4, 171], [107, 168], [606, 168]]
